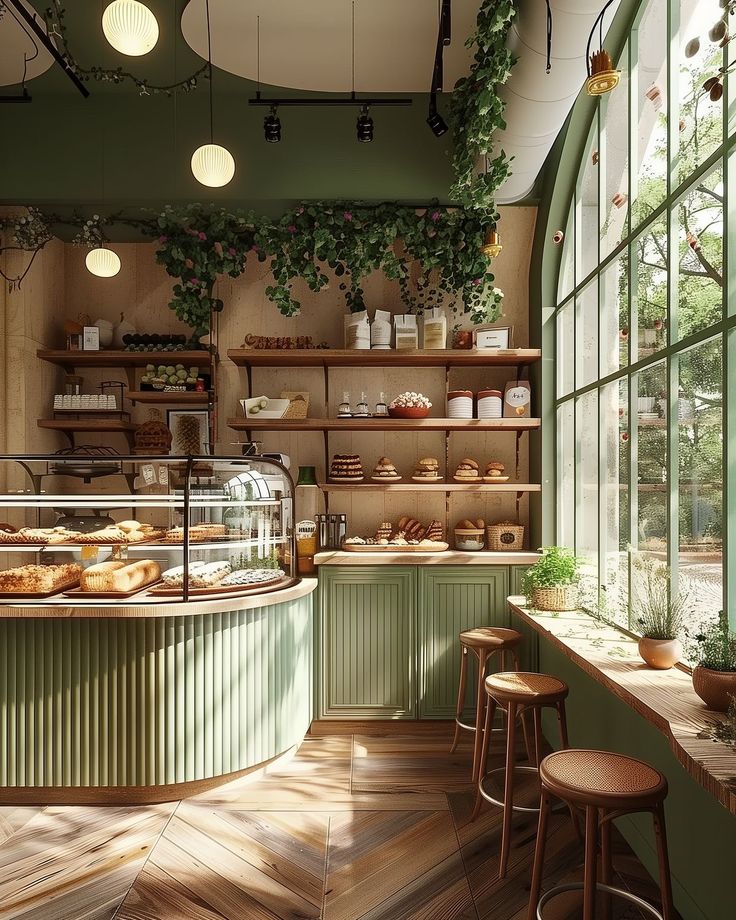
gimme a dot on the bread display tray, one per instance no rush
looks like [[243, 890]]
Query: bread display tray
[[393, 548], [78, 593], [37, 595], [165, 591]]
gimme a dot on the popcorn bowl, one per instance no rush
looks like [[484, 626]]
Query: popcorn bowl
[[408, 412]]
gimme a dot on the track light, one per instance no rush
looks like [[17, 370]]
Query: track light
[[364, 126], [272, 127], [435, 121]]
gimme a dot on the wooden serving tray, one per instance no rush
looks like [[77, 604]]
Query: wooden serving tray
[[216, 589], [376, 548], [37, 595], [108, 595]]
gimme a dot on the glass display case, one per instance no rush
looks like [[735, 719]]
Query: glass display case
[[159, 527]]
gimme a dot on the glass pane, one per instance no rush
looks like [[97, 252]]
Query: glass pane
[[652, 489], [650, 175], [567, 265], [701, 118], [566, 349], [587, 464], [700, 442], [587, 336], [700, 244], [566, 475], [615, 579], [586, 228], [651, 288], [615, 151], [614, 332]]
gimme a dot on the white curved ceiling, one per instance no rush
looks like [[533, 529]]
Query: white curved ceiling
[[307, 44], [15, 42]]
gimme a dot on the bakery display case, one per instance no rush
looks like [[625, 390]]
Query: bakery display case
[[112, 527]]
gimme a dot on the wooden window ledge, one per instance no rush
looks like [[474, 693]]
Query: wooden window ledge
[[664, 698]]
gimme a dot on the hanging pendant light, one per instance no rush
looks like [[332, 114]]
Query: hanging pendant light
[[102, 262], [212, 164], [602, 75], [130, 27], [492, 243]]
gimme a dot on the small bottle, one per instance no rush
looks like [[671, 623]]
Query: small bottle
[[362, 410], [343, 410], [381, 407]]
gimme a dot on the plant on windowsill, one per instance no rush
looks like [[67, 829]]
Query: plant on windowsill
[[552, 582], [659, 614], [714, 675]]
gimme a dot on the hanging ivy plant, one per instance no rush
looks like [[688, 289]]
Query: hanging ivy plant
[[476, 110], [434, 254]]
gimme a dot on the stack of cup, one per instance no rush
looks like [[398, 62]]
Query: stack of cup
[[490, 404], [460, 404]]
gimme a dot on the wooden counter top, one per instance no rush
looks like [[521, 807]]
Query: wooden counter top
[[142, 606], [664, 698], [449, 557]]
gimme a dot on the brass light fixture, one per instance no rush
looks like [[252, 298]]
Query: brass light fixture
[[492, 243], [602, 75]]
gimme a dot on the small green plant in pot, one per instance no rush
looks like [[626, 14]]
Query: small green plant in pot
[[714, 675], [660, 614], [552, 582]]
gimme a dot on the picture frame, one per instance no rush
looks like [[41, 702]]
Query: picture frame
[[493, 338], [182, 433]]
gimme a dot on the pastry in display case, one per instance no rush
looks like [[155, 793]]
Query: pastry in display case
[[163, 527]]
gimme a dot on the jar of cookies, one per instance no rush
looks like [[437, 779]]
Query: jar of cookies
[[470, 535]]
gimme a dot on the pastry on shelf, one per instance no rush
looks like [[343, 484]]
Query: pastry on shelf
[[39, 579], [245, 578], [346, 468], [495, 472], [383, 534], [198, 533], [427, 470], [435, 532], [410, 529], [201, 574], [120, 576], [385, 471], [108, 534], [468, 471]]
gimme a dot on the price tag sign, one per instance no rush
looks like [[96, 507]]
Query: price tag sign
[[163, 475], [149, 474]]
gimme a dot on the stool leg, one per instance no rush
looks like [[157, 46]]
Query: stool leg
[[538, 740], [487, 734], [524, 726], [460, 696], [538, 870], [591, 855], [508, 791], [480, 711], [606, 864], [665, 881], [562, 719]]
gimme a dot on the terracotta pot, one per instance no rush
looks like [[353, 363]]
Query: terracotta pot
[[715, 688], [661, 654]]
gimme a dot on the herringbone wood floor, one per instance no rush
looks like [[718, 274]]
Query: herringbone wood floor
[[355, 827]]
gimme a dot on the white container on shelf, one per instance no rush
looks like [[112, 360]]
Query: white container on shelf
[[381, 330], [490, 404], [460, 404]]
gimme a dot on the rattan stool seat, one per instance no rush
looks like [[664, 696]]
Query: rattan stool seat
[[602, 778], [490, 637], [526, 687]]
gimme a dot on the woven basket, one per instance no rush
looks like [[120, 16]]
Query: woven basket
[[505, 537], [563, 597]]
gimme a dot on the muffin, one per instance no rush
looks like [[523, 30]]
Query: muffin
[[385, 471], [495, 472]]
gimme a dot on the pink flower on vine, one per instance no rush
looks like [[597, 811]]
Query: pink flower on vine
[[163, 239], [300, 210], [347, 215], [435, 215], [232, 252], [202, 236], [477, 281], [291, 228], [255, 248]]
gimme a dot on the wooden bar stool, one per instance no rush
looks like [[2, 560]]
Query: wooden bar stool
[[605, 786], [483, 642], [517, 692]]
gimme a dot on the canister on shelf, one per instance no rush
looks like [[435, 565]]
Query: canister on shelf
[[490, 404], [460, 404]]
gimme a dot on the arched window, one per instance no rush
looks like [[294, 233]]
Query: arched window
[[645, 332]]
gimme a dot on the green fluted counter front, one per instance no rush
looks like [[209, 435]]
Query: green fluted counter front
[[150, 703]]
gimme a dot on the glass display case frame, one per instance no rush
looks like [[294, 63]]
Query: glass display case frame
[[238, 511]]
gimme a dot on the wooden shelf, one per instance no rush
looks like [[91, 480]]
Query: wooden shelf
[[189, 398], [110, 358], [410, 486], [384, 424], [330, 357], [98, 425]]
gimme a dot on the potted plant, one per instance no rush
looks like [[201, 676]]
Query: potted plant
[[552, 582], [659, 615], [714, 676]]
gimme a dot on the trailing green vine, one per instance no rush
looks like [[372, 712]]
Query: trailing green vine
[[434, 254], [476, 110]]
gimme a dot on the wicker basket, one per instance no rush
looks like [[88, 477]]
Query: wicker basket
[[563, 597], [505, 537]]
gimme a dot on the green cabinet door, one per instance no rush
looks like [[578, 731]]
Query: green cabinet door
[[368, 642], [452, 599]]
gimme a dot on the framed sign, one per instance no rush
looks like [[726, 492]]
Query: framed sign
[[493, 337], [189, 431]]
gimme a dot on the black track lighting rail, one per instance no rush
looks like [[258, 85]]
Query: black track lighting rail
[[25, 96], [327, 101], [32, 23]]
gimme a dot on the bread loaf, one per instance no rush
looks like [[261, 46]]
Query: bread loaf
[[120, 576]]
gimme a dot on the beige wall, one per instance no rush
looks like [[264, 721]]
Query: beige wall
[[59, 286]]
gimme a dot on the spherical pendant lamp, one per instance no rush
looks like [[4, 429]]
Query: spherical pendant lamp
[[103, 262], [130, 27], [213, 165]]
